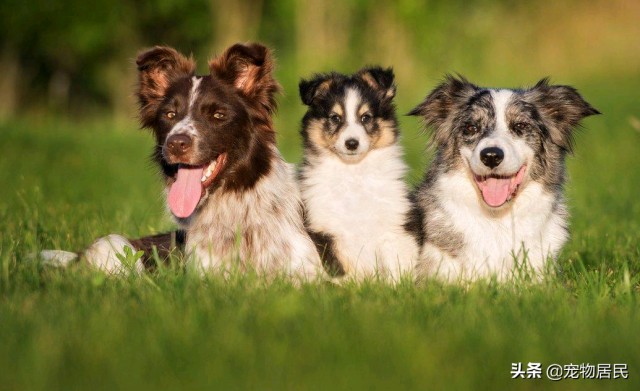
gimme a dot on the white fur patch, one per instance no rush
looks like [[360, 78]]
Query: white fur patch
[[102, 254], [353, 128], [261, 228], [57, 258], [363, 207], [494, 244], [186, 125], [193, 96]]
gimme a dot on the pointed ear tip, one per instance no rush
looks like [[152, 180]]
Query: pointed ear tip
[[256, 51], [303, 86], [415, 112], [148, 56], [258, 46], [143, 55]]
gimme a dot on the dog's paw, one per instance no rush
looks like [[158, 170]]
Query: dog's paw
[[57, 258], [103, 255]]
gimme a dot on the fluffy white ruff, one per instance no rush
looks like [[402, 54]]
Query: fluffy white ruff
[[102, 255], [494, 245], [363, 207], [260, 229]]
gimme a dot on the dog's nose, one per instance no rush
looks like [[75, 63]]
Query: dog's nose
[[492, 156], [179, 144], [351, 144]]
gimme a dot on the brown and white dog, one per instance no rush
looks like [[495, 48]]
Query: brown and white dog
[[227, 185], [493, 198]]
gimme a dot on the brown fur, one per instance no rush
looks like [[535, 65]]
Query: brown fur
[[250, 69], [378, 85], [157, 67]]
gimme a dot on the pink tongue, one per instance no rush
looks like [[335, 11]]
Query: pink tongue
[[186, 191], [496, 191]]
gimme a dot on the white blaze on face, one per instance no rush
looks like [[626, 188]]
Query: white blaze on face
[[499, 183], [352, 128], [186, 125], [186, 191], [501, 137]]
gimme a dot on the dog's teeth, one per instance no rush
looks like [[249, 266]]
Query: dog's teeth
[[208, 171]]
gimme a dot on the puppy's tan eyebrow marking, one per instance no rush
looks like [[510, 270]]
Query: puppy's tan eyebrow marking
[[337, 109]]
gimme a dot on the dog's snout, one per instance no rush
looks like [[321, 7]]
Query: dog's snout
[[179, 144], [492, 156], [351, 144]]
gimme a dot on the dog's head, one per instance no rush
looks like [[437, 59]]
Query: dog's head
[[213, 130], [349, 115], [504, 137]]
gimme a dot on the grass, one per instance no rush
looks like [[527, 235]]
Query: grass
[[66, 183]]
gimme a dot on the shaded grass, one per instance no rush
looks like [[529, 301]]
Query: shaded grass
[[65, 184], [76, 329]]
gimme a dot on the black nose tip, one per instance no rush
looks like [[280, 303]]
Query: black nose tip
[[179, 144], [492, 156], [351, 144]]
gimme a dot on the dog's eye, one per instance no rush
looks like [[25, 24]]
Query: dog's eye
[[470, 130], [335, 118], [171, 114], [218, 115], [365, 119], [521, 127]]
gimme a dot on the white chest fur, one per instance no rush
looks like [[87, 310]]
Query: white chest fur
[[363, 207], [261, 228], [531, 230]]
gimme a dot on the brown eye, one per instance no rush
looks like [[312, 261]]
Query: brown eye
[[470, 130], [336, 119], [218, 115], [171, 114], [365, 119], [521, 127]]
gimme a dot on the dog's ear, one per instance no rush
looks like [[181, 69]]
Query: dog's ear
[[314, 88], [157, 67], [437, 107], [561, 108], [249, 68], [381, 80]]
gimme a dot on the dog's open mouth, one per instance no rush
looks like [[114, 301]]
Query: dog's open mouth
[[498, 189], [191, 184]]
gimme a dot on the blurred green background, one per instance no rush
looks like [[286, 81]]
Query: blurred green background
[[67, 77], [75, 58]]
